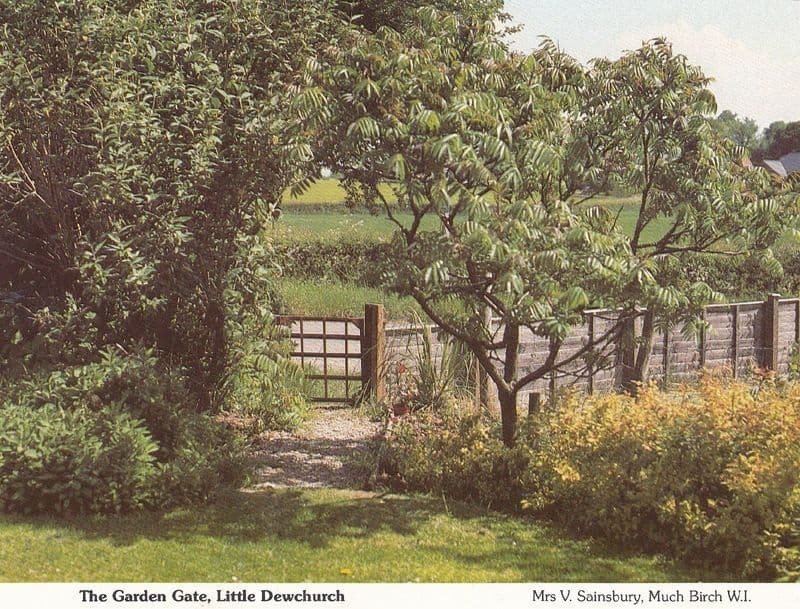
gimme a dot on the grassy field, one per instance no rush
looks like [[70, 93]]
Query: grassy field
[[304, 221], [319, 215], [327, 191], [320, 298], [314, 535], [325, 225]]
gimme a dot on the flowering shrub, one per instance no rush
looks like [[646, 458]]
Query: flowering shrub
[[460, 456], [709, 473]]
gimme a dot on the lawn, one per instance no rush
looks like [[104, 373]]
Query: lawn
[[327, 224], [327, 191], [320, 535]]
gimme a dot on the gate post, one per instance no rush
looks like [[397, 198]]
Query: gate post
[[373, 347], [771, 331]]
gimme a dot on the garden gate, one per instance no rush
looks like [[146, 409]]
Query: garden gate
[[343, 354]]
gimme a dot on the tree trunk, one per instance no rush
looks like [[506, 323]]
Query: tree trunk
[[508, 415], [507, 394], [487, 398], [643, 353]]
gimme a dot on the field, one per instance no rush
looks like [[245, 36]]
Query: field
[[320, 216], [295, 535]]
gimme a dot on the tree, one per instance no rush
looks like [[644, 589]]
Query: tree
[[652, 106], [400, 14], [742, 132], [780, 138], [142, 145], [478, 142]]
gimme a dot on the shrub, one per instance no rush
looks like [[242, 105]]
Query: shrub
[[55, 460], [209, 459], [458, 455], [110, 435], [133, 382], [358, 261], [271, 394], [706, 474]]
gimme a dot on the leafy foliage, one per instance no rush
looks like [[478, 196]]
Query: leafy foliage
[[779, 138], [458, 456], [53, 460], [647, 114], [479, 140], [142, 147], [708, 474], [741, 131], [111, 435]]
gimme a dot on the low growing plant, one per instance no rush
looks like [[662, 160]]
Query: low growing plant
[[456, 454], [708, 473]]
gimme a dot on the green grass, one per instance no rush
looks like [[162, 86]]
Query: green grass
[[314, 535], [334, 223], [321, 297], [327, 191]]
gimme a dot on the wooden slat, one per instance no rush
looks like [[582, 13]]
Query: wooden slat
[[331, 399], [334, 377], [356, 321], [324, 336], [320, 355]]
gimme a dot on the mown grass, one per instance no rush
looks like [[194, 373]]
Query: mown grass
[[314, 535], [319, 216], [328, 191], [333, 224], [323, 297]]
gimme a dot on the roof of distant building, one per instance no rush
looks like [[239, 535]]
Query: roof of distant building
[[788, 163]]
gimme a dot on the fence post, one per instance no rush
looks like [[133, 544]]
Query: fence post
[[666, 356], [373, 346], [771, 331], [590, 328], [735, 341]]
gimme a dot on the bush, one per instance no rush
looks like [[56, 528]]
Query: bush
[[709, 474], [133, 382], [745, 278], [458, 455], [706, 474], [210, 459], [110, 435], [357, 261], [271, 394], [53, 460]]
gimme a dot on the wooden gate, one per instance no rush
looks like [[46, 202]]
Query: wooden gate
[[343, 354]]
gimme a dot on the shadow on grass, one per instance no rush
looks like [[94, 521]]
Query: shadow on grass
[[484, 541], [312, 518]]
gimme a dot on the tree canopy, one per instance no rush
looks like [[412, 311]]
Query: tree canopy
[[506, 152], [141, 147], [741, 131], [481, 140], [653, 109]]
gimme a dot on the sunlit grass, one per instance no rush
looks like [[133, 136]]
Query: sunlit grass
[[314, 535], [333, 222], [324, 297], [327, 191]]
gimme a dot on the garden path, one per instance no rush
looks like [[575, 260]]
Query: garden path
[[334, 449]]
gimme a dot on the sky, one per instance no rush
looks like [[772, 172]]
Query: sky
[[750, 48]]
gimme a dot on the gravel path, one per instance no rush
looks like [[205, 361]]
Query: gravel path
[[335, 449]]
